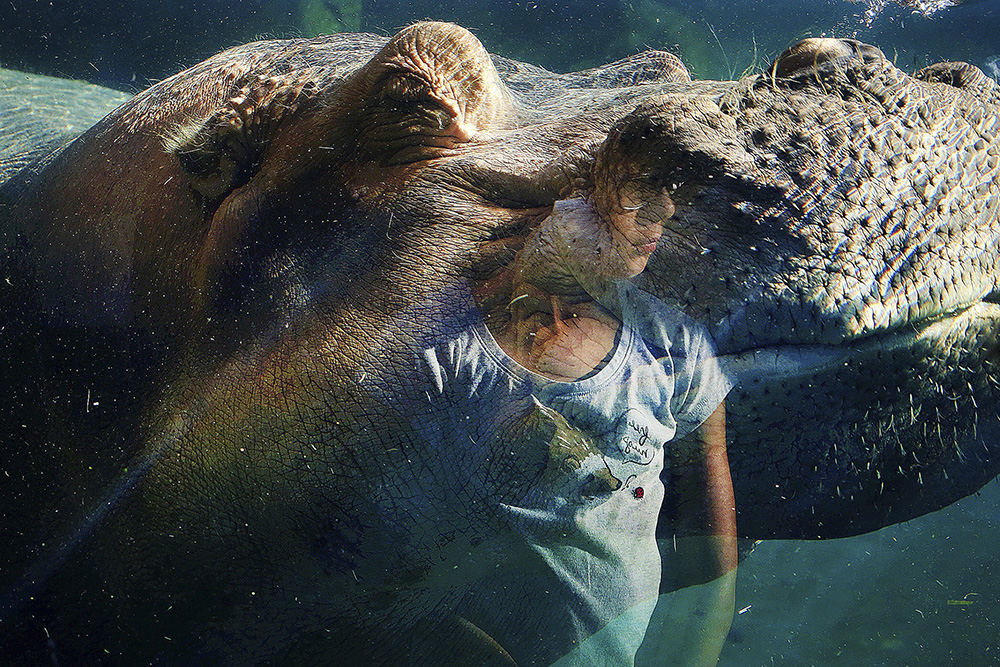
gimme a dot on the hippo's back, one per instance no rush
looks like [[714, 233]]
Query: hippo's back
[[39, 114]]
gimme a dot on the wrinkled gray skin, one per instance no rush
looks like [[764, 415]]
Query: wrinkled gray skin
[[206, 291]]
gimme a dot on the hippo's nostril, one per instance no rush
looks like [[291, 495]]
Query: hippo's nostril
[[993, 297], [812, 52]]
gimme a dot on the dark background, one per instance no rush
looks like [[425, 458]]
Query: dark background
[[127, 44]]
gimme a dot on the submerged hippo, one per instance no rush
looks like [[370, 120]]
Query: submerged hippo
[[208, 295]]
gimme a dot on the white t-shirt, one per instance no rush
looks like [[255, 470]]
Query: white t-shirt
[[564, 476]]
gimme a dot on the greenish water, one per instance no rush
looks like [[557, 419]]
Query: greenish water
[[716, 38], [925, 592]]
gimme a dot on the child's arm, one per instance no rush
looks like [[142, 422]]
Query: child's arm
[[698, 545], [700, 507], [698, 517]]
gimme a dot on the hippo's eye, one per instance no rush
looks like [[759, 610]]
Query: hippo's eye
[[430, 88], [406, 98], [402, 92], [406, 87]]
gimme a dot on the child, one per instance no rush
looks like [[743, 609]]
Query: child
[[558, 407]]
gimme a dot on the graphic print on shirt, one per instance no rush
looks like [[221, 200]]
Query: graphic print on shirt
[[637, 450], [634, 441], [567, 462], [561, 459]]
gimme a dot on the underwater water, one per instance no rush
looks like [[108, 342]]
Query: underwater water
[[925, 592], [716, 38]]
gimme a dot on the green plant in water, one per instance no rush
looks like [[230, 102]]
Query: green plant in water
[[323, 17]]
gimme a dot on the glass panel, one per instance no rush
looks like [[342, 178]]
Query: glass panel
[[606, 332]]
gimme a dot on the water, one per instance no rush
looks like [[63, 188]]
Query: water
[[717, 38], [926, 592]]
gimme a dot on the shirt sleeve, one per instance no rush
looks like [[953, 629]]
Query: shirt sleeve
[[700, 384]]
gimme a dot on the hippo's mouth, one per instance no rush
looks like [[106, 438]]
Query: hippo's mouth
[[974, 328]]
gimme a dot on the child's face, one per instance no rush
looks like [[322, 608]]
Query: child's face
[[634, 238], [579, 245], [635, 225]]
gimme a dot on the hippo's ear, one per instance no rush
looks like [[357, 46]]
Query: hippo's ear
[[433, 86], [222, 151]]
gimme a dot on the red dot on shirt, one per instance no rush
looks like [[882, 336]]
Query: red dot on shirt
[[638, 492]]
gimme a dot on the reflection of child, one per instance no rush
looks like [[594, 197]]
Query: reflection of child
[[574, 391]]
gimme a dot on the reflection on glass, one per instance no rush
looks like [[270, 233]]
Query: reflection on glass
[[589, 421]]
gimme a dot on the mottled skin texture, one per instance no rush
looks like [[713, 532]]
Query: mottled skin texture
[[205, 291]]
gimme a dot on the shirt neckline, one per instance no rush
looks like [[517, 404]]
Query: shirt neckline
[[511, 366]]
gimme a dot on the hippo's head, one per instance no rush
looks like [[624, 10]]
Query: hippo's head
[[253, 243]]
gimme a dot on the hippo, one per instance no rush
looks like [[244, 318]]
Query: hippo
[[208, 294]]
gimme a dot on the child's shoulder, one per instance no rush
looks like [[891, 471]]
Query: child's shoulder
[[657, 323]]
